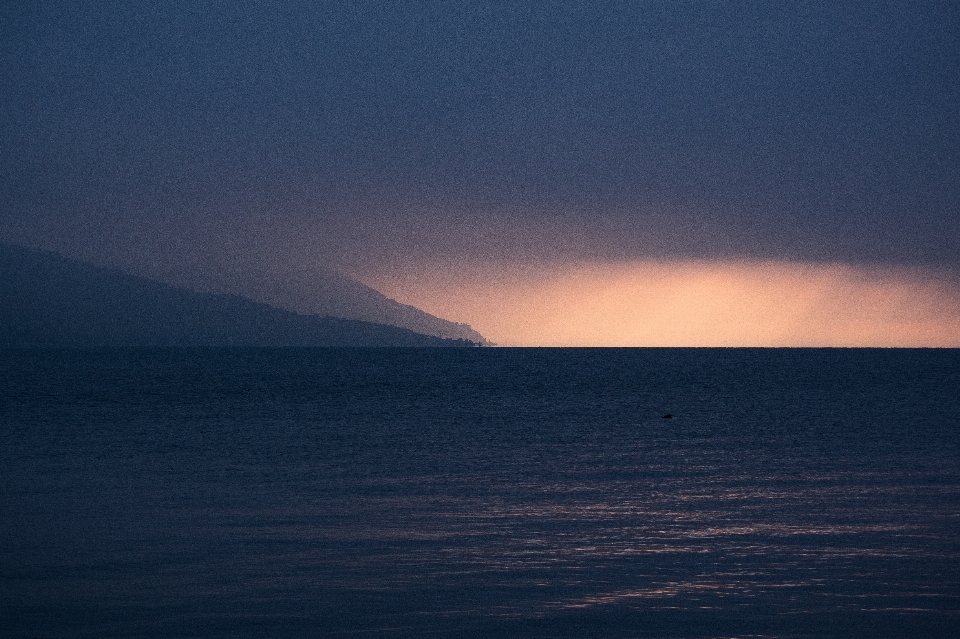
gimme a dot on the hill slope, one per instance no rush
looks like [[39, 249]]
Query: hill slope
[[316, 291], [51, 301]]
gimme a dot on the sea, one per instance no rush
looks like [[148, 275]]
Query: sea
[[484, 492]]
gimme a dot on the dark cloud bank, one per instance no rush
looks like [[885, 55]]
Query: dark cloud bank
[[184, 138]]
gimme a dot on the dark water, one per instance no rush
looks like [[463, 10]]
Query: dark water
[[480, 493]]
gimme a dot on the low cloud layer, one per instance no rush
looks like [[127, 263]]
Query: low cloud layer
[[371, 135]]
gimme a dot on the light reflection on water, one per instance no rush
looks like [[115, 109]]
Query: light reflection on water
[[308, 494]]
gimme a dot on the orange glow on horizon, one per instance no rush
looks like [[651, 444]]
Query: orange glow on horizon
[[691, 303]]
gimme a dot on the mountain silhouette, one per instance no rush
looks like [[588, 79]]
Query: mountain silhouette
[[318, 291], [47, 300]]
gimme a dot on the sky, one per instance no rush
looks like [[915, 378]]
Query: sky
[[553, 173]]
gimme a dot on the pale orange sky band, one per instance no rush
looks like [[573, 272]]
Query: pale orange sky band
[[688, 303]]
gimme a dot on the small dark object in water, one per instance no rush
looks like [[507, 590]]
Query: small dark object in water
[[668, 416]]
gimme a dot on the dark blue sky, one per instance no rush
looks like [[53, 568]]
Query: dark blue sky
[[814, 131]]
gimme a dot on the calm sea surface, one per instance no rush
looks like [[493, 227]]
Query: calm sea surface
[[480, 493]]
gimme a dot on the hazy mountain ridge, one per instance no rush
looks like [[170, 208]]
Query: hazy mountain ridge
[[317, 291], [52, 301]]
